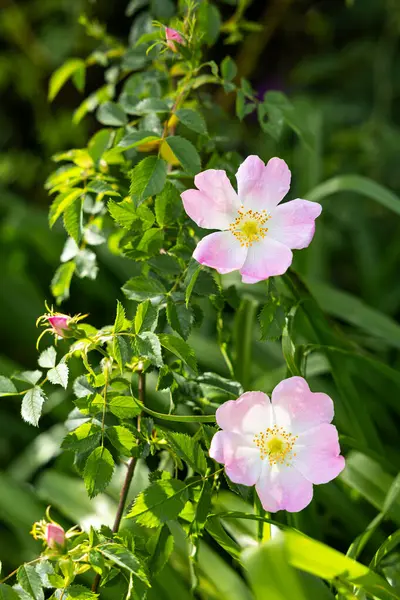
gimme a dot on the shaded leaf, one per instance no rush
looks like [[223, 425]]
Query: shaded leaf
[[146, 317], [143, 288], [188, 450], [122, 557], [160, 502], [148, 346], [192, 120], [185, 153], [179, 317], [180, 348], [98, 471]]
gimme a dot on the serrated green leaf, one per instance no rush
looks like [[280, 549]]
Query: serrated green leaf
[[122, 557], [71, 67], [62, 202], [122, 439], [168, 205], [185, 153], [147, 179], [188, 450], [32, 404], [180, 348], [98, 471], [7, 388], [47, 358], [123, 407], [83, 439], [192, 120], [72, 219], [143, 288], [119, 319], [7, 593], [79, 592], [160, 502], [199, 282], [30, 581], [146, 317], [124, 213], [61, 281], [44, 568], [120, 351], [59, 375], [179, 317], [111, 113], [148, 346], [165, 378], [221, 384]]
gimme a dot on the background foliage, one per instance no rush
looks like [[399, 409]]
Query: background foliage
[[340, 68]]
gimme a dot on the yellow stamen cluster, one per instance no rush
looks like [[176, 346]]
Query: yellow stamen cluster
[[276, 444], [248, 227]]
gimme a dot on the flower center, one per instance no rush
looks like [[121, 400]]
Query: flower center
[[248, 227], [276, 444]]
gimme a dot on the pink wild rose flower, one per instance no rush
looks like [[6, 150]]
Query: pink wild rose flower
[[59, 323], [257, 234], [282, 446], [171, 35], [55, 535]]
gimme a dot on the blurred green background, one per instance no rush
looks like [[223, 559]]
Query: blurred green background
[[341, 60]]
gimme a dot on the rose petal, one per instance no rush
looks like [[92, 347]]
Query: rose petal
[[249, 414], [221, 251], [242, 461], [283, 488], [265, 258], [304, 408], [293, 223], [318, 454], [262, 187], [214, 205]]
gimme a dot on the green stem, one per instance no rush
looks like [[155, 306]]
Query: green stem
[[176, 418], [244, 323]]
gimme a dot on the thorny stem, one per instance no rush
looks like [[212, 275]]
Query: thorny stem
[[128, 477]]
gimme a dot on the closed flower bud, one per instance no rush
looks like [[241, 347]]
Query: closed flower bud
[[59, 323], [55, 535], [172, 36]]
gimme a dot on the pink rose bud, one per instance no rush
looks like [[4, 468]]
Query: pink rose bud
[[55, 535], [59, 323], [172, 36]]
